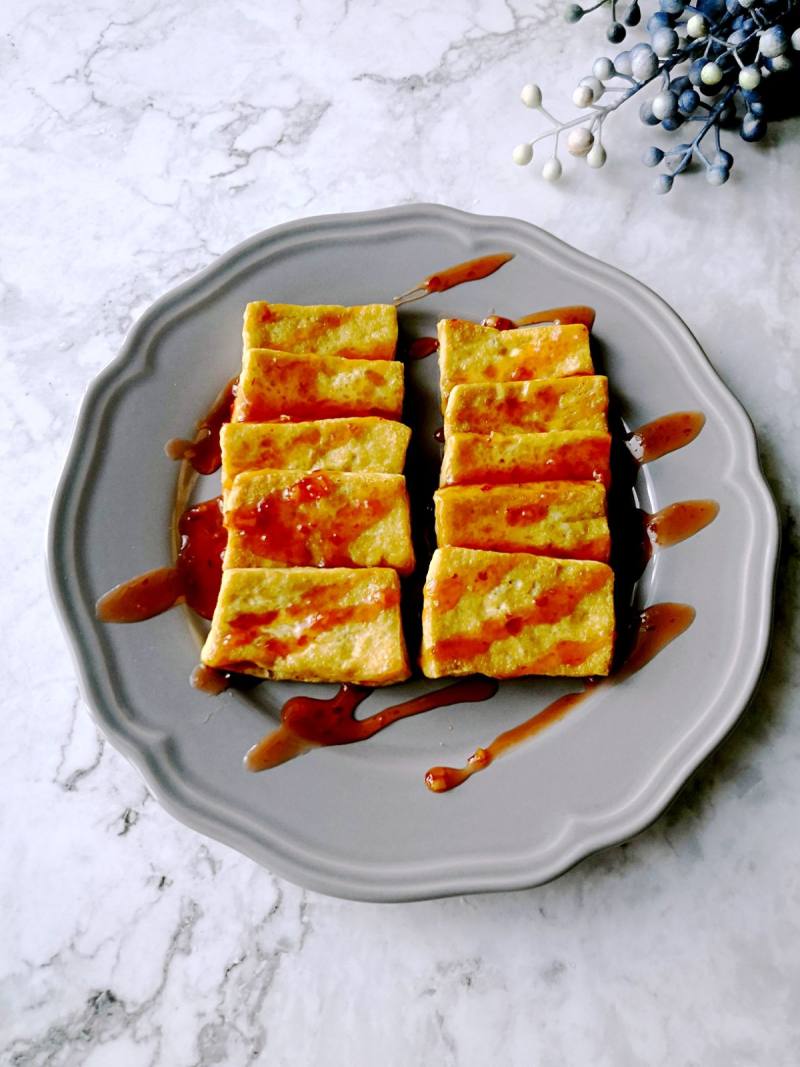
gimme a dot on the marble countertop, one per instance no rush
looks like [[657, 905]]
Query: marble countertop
[[139, 141]]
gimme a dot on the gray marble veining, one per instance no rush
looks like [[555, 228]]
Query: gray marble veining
[[141, 140]]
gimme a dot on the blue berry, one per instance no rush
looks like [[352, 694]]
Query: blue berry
[[633, 16], [658, 20], [672, 7], [733, 7], [615, 32], [672, 123], [758, 108], [646, 114], [724, 159], [665, 41], [717, 175], [753, 128], [688, 101], [710, 8], [573, 13], [774, 42], [644, 62], [663, 183], [652, 156], [680, 83], [622, 63], [694, 71]]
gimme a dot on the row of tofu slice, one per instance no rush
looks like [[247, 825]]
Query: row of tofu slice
[[520, 583], [314, 500]]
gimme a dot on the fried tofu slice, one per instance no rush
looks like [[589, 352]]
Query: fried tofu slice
[[308, 625], [294, 388], [511, 614], [497, 458], [368, 331], [368, 444], [579, 403], [566, 520], [469, 352], [318, 519]]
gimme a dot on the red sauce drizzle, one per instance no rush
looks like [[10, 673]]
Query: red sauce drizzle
[[662, 436], [677, 522], [657, 626], [311, 722], [204, 451], [422, 347], [472, 270], [195, 578], [566, 316]]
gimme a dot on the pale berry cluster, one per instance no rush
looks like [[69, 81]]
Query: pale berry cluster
[[711, 62]]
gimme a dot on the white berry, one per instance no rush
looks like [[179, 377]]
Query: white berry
[[582, 96], [697, 26], [711, 74], [749, 77], [796, 40], [522, 154], [603, 68], [579, 141], [597, 157], [531, 96], [551, 171]]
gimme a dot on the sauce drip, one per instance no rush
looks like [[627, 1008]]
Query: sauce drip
[[657, 626], [311, 722], [195, 578], [677, 522], [472, 270], [566, 316], [422, 347], [662, 436], [209, 680], [204, 452]]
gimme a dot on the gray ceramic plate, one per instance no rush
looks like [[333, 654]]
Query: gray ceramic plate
[[358, 821]]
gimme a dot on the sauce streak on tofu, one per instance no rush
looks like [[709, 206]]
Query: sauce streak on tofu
[[657, 627], [662, 436], [566, 316], [318, 612], [311, 722], [278, 527], [204, 452], [195, 578]]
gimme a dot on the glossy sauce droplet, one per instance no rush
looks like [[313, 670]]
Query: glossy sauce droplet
[[662, 436], [311, 722], [677, 522], [657, 626], [422, 347], [142, 597], [195, 578], [204, 452]]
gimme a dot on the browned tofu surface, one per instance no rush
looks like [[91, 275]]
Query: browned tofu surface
[[469, 352], [563, 455], [279, 385], [511, 614], [320, 519], [309, 625], [562, 519], [579, 403], [368, 444], [368, 331]]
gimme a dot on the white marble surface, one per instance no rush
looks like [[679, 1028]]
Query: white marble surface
[[139, 140]]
